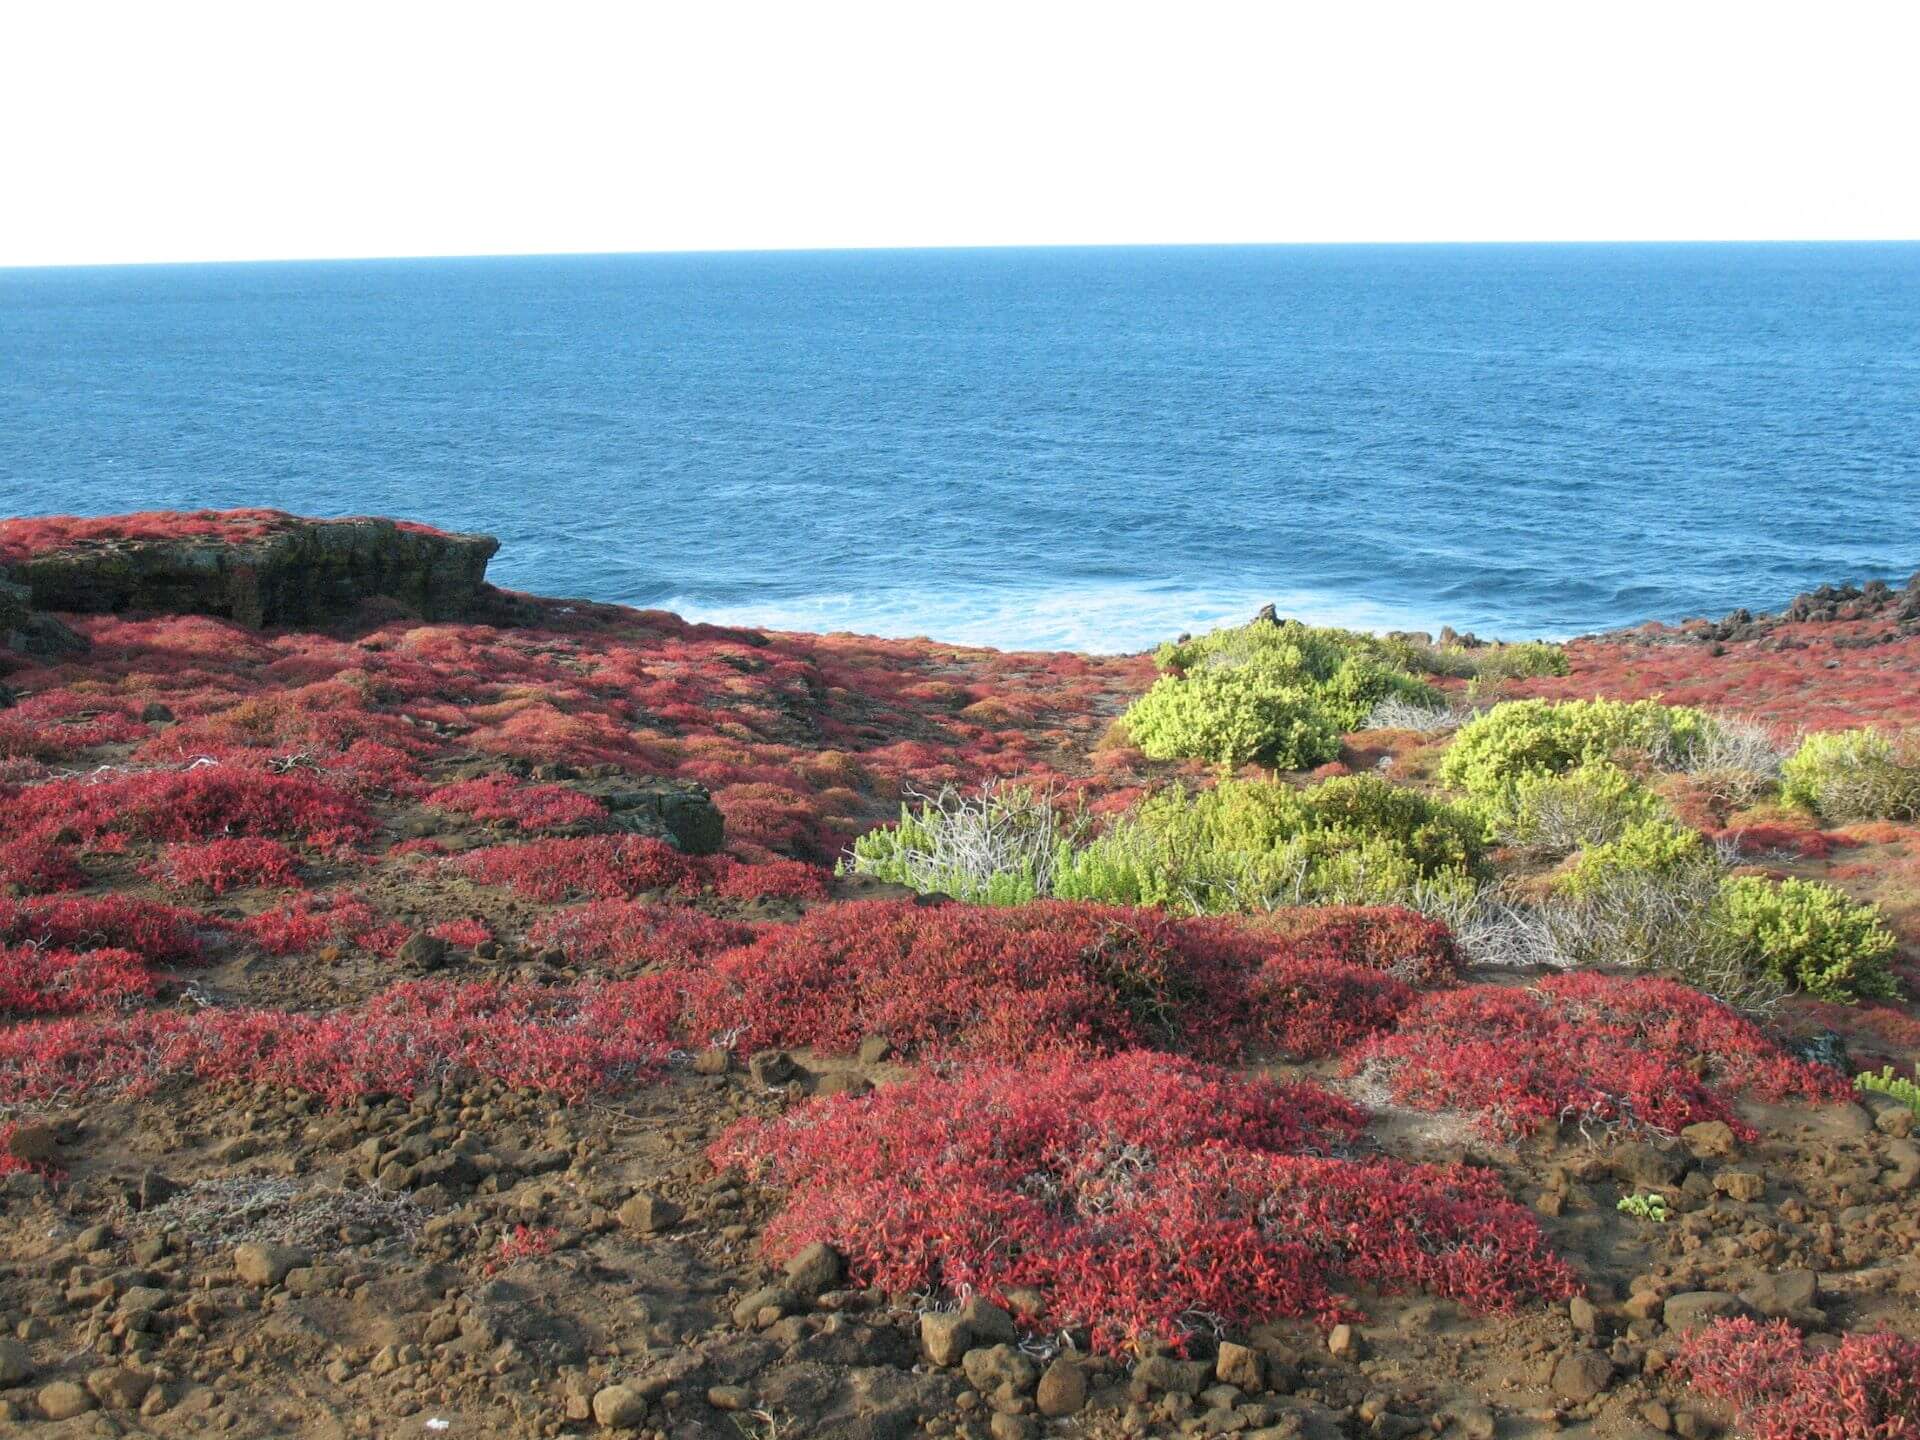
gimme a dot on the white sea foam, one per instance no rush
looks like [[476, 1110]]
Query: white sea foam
[[1105, 619]]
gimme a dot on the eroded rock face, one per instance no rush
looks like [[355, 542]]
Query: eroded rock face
[[307, 571]]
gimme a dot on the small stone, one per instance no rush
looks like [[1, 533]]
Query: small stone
[[649, 1213], [264, 1264], [1174, 1377], [988, 1368], [155, 1189], [1710, 1140], [1240, 1365], [16, 1364], [1743, 1185], [1785, 1292], [1657, 1415], [1011, 1427], [1475, 1422], [1343, 1343], [815, 1270], [617, 1407], [945, 1337], [33, 1142], [1582, 1374], [1062, 1389], [423, 951], [1585, 1318], [118, 1389], [987, 1321], [62, 1400], [1894, 1120], [748, 1310], [154, 713], [714, 1060], [874, 1049], [1691, 1309], [729, 1397]]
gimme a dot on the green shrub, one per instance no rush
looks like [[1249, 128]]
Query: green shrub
[[1811, 936], [1249, 845], [1555, 815], [1887, 1083], [1655, 848], [1275, 694], [1232, 718], [1855, 775], [1543, 737]]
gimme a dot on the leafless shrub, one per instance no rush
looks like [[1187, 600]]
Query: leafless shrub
[[997, 845], [235, 1209], [1398, 712], [1736, 759]]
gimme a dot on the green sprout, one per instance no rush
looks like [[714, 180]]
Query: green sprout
[[1645, 1207]]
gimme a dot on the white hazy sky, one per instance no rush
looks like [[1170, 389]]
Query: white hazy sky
[[273, 129]]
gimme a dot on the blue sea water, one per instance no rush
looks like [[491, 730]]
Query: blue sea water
[[1089, 448]]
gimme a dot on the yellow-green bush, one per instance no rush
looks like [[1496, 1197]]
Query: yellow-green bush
[[1855, 775], [1811, 936], [1232, 718], [1655, 848], [1279, 695], [1544, 737], [1554, 815], [1498, 663], [1256, 844]]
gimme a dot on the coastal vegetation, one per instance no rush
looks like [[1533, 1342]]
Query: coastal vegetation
[[1163, 1019]]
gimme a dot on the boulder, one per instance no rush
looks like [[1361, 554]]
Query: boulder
[[618, 1408], [1691, 1309], [1062, 1389], [264, 1264], [293, 571]]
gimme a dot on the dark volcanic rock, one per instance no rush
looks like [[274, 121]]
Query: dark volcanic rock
[[307, 571]]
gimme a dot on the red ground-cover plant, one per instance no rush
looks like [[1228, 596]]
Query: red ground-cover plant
[[961, 979], [214, 867], [571, 1042], [627, 935], [23, 539], [1865, 1388], [1585, 1049], [502, 800], [1136, 1193], [522, 1242], [35, 865], [157, 933], [622, 866], [465, 933], [36, 980], [204, 802], [306, 922], [1404, 943]]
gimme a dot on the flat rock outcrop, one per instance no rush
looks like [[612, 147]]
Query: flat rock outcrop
[[296, 572]]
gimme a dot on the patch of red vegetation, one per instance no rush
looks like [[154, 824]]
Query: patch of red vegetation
[[1829, 675], [621, 935], [214, 867], [204, 802], [23, 539], [624, 866], [1585, 1049], [502, 800], [1867, 1387], [1133, 1193], [960, 979], [159, 934], [465, 933], [307, 922], [1808, 843], [565, 1041], [1404, 943], [35, 980]]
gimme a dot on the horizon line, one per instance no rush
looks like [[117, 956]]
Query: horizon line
[[994, 247]]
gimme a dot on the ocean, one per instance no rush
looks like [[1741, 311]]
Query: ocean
[[1074, 448]]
